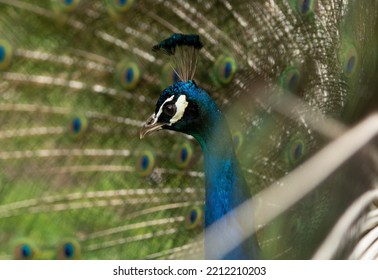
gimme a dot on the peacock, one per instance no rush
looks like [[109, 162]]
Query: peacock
[[290, 86], [184, 107]]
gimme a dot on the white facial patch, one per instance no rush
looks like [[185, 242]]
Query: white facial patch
[[181, 105], [161, 108]]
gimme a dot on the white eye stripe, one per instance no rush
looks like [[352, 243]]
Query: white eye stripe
[[181, 105], [161, 108]]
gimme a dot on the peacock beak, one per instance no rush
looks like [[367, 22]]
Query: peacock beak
[[150, 126]]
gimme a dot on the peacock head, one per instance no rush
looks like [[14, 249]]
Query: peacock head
[[182, 107]]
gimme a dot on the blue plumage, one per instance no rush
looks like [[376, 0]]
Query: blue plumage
[[201, 118], [186, 108], [169, 45]]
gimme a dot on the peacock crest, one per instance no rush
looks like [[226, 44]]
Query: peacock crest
[[184, 50]]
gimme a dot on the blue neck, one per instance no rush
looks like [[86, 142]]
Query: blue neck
[[225, 184]]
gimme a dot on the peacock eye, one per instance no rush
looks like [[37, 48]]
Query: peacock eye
[[169, 109]]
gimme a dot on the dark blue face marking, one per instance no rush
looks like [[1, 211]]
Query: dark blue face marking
[[306, 6], [122, 2], [144, 163], [2, 53], [68, 2], [200, 107], [76, 125], [26, 251], [350, 64], [227, 70], [175, 89], [69, 250], [184, 154], [129, 75], [193, 216]]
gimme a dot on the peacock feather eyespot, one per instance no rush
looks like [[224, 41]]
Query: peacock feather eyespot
[[25, 250], [194, 217], [65, 6], [295, 150], [78, 126], [145, 163], [237, 139], [6, 54], [224, 70], [183, 154], [169, 76], [305, 8], [289, 79], [119, 6], [128, 74], [349, 59], [69, 250]]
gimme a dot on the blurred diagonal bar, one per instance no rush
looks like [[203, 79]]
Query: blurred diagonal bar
[[276, 199]]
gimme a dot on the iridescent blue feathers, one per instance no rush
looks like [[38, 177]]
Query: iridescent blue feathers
[[176, 40]]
